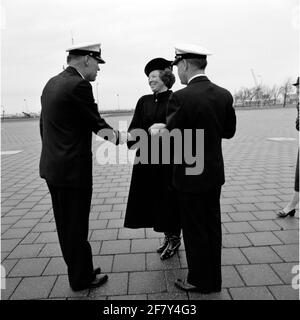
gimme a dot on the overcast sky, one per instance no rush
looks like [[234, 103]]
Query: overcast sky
[[242, 34]]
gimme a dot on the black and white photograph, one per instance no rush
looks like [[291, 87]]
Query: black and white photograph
[[149, 153]]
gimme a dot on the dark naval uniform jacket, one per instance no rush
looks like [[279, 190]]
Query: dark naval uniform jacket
[[69, 116], [202, 105]]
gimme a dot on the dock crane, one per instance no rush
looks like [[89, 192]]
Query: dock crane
[[254, 78], [257, 86], [26, 114]]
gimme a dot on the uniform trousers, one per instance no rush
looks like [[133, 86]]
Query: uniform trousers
[[200, 217], [71, 207]]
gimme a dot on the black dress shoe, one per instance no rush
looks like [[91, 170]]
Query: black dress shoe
[[282, 214], [98, 281], [97, 271], [184, 285]]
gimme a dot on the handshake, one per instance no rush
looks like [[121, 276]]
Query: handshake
[[124, 137], [121, 136], [157, 128]]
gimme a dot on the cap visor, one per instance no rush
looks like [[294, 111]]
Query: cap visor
[[174, 63], [100, 60]]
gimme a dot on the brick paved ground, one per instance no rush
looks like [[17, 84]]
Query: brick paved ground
[[259, 250]]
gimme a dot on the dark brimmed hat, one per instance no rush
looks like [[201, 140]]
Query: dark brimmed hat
[[157, 64], [87, 49], [296, 84]]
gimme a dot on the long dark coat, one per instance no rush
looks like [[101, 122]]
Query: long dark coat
[[151, 200]]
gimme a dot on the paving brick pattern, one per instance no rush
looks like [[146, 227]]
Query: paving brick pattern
[[259, 250]]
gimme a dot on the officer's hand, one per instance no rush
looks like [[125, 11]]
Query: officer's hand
[[114, 139], [130, 137], [156, 128]]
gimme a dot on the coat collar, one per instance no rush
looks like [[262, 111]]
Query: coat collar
[[162, 95], [73, 71], [198, 79]]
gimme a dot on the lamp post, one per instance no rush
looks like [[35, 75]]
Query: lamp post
[[3, 111], [25, 104], [118, 102]]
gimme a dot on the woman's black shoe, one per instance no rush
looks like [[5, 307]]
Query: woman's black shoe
[[172, 248], [282, 214], [163, 246]]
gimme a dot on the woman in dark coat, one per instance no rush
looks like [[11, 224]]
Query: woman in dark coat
[[151, 200], [290, 208]]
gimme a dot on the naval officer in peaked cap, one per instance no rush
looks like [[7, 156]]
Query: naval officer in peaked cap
[[69, 116], [88, 49], [200, 105]]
